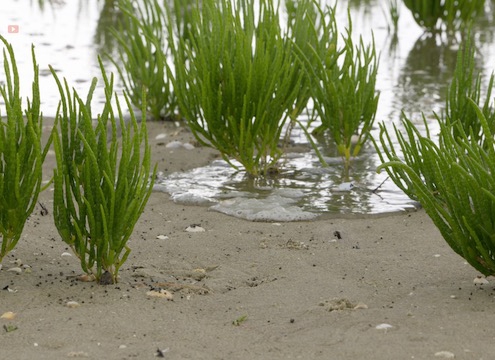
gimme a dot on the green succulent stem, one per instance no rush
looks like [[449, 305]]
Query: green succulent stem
[[102, 180], [452, 175], [21, 152]]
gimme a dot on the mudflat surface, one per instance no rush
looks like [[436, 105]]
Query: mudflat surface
[[244, 290]]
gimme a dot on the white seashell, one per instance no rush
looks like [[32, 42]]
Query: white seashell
[[66, 254], [162, 237], [445, 354], [383, 327], [360, 306], [188, 146], [161, 294], [437, 255], [72, 304], [9, 315], [160, 136], [174, 145], [195, 228], [16, 270], [480, 281]]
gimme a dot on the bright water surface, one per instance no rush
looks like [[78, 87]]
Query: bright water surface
[[413, 76]]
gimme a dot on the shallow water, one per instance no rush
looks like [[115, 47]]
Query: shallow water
[[414, 74]]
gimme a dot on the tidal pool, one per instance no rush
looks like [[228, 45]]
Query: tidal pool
[[414, 73]]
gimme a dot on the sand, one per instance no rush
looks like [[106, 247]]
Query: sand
[[244, 290]]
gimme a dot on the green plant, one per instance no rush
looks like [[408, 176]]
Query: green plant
[[306, 28], [99, 191], [142, 58], [454, 183], [452, 175], [449, 15], [464, 86], [343, 89], [21, 153], [237, 85]]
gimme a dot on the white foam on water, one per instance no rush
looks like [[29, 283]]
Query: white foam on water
[[272, 208]]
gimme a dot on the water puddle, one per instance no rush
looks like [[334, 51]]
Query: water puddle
[[302, 191]]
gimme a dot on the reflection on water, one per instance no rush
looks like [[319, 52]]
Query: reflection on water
[[414, 74]]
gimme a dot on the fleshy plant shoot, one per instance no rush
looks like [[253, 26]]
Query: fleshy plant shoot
[[102, 181]]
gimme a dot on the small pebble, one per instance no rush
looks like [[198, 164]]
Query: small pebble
[[162, 237], [445, 355], [123, 347], [9, 315], [72, 304], [86, 278], [188, 146], [160, 136]]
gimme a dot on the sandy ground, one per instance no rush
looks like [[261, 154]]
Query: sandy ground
[[244, 290]]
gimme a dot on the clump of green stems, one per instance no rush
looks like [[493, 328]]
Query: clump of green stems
[[308, 33], [343, 89], [444, 15], [466, 85], [99, 191], [237, 86], [142, 59], [21, 153], [305, 24], [452, 177]]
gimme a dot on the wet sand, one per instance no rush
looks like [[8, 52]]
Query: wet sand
[[244, 290]]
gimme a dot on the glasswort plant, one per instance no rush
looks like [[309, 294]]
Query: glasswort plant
[[343, 89], [143, 60], [21, 153], [236, 86], [99, 191], [454, 183], [452, 178]]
